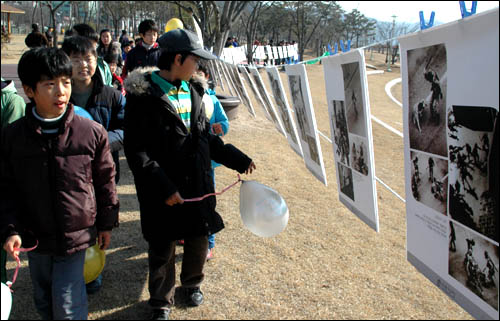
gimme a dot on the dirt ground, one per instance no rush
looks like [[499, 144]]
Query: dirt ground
[[326, 264]]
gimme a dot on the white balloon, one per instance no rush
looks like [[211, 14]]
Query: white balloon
[[6, 302], [263, 211]]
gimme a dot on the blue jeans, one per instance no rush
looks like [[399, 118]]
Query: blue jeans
[[59, 286]]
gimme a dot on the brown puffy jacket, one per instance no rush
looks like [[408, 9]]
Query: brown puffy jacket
[[58, 191]]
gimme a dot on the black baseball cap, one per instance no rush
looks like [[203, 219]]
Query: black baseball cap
[[181, 40]]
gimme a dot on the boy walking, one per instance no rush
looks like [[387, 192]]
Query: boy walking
[[104, 103], [57, 186], [168, 146], [146, 52]]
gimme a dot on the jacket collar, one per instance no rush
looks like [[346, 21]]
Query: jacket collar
[[34, 123]]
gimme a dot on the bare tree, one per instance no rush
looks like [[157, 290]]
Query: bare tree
[[215, 20], [307, 16]]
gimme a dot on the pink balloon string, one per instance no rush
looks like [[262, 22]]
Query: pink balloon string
[[197, 199], [9, 284]]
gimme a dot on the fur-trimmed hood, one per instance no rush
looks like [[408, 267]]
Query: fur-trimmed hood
[[137, 82]]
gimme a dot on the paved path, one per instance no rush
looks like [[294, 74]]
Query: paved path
[[9, 72]]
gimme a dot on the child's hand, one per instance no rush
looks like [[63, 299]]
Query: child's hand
[[12, 245], [104, 238], [174, 199], [217, 129], [250, 168]]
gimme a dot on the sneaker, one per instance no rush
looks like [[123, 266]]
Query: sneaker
[[180, 242], [160, 314], [94, 286], [194, 297], [210, 255]]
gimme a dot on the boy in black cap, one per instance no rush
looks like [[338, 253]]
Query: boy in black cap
[[169, 146]]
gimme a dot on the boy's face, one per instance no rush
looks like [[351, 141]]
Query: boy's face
[[84, 66], [112, 67], [51, 96], [149, 37], [188, 68]]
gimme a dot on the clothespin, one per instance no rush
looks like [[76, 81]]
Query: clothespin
[[342, 45], [464, 11], [330, 50], [424, 25], [336, 49]]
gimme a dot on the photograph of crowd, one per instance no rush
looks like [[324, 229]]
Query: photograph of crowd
[[427, 84], [354, 99], [429, 180], [473, 261], [359, 154], [470, 135], [340, 134], [345, 180]]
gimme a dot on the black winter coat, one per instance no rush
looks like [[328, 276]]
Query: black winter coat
[[165, 158]]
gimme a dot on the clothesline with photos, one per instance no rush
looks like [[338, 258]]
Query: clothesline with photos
[[450, 145], [230, 79]]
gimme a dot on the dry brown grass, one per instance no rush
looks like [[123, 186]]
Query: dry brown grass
[[327, 264]]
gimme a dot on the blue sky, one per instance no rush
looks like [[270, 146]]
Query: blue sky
[[407, 11]]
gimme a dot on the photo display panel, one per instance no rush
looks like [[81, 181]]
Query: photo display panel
[[350, 127], [241, 89], [271, 113], [228, 79], [306, 120], [284, 112], [451, 138]]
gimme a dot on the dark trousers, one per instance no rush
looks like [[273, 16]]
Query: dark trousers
[[161, 258]]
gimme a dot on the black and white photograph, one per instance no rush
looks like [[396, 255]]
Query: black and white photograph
[[353, 99], [229, 81], [470, 135], [346, 87], [473, 261], [359, 154], [242, 90], [305, 118], [264, 94], [283, 107], [429, 180], [346, 181], [340, 134], [427, 85], [301, 115]]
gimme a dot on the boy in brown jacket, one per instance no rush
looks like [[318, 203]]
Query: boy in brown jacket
[[57, 188]]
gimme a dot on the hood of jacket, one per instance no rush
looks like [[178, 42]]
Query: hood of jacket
[[138, 81], [10, 88]]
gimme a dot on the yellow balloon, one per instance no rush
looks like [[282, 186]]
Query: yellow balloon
[[174, 23], [94, 263]]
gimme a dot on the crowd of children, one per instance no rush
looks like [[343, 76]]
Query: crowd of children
[[59, 169]]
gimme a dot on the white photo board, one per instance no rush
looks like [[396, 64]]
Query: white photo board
[[229, 81], [242, 90], [271, 113], [306, 120], [284, 111], [350, 127], [450, 113]]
